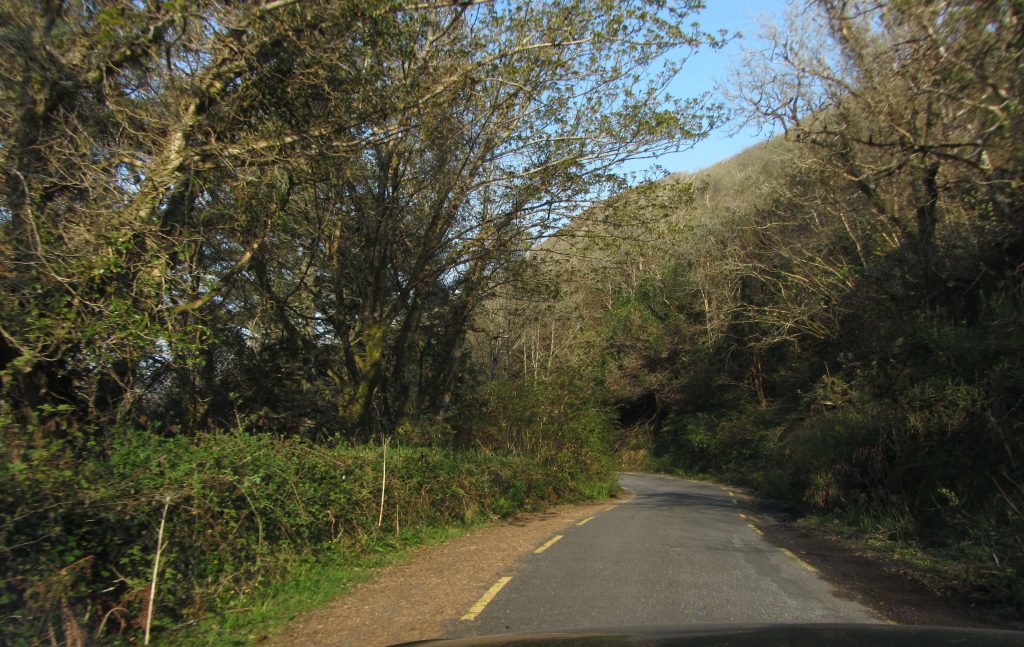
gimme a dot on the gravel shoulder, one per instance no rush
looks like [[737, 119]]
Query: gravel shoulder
[[414, 599]]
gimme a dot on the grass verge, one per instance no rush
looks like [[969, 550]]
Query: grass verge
[[309, 584], [243, 514], [312, 583]]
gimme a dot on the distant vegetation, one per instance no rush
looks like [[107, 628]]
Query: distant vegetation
[[835, 317]]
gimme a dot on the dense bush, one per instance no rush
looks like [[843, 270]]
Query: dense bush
[[920, 444], [78, 530]]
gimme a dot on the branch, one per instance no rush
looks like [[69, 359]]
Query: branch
[[219, 284]]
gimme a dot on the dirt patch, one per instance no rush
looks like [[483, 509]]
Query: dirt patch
[[414, 599], [882, 585]]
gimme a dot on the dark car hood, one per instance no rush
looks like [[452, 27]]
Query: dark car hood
[[793, 635]]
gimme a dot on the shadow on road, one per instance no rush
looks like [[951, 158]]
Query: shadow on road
[[680, 500]]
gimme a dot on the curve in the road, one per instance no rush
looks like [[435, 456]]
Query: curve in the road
[[678, 552]]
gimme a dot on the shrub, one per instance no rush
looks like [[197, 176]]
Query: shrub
[[79, 530]]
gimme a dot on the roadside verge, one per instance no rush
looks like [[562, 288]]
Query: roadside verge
[[436, 585]]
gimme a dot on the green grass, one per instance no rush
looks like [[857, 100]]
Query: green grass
[[595, 491], [308, 585], [312, 583], [247, 512]]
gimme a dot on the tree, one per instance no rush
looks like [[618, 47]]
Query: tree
[[192, 189], [911, 103]]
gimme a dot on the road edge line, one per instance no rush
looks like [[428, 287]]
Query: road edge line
[[807, 567], [548, 544], [485, 599]]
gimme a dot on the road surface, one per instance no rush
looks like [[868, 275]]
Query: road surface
[[678, 552]]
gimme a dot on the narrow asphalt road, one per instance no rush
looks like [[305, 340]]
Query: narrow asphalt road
[[678, 552]]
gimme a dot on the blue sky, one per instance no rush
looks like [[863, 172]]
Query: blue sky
[[708, 67]]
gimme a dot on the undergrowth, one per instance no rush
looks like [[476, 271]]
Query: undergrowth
[[908, 481], [308, 584], [79, 524]]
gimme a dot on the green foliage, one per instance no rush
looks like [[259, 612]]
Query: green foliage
[[284, 218], [309, 583], [560, 418], [79, 530], [183, 215]]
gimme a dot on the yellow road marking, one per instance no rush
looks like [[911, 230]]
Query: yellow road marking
[[548, 544], [806, 566], [585, 521], [756, 529], [730, 493], [743, 516], [485, 599]]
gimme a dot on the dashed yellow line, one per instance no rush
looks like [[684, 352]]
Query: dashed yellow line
[[548, 544], [585, 521], [485, 599], [807, 567], [743, 516], [755, 529], [731, 493]]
